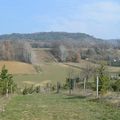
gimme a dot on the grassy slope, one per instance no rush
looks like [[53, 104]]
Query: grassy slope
[[57, 107], [53, 72], [49, 72], [84, 63]]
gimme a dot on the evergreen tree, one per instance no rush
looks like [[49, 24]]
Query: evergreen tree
[[103, 79], [7, 84]]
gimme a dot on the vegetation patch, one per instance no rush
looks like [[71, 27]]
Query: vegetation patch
[[57, 107]]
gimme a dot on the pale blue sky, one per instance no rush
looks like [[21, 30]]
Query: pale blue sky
[[100, 18]]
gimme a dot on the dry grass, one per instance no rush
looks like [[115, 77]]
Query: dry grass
[[18, 67], [43, 55]]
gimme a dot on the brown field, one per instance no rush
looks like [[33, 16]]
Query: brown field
[[18, 67], [43, 55]]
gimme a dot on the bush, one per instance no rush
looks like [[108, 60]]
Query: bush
[[116, 86], [53, 87], [65, 86], [37, 89], [25, 91], [28, 90]]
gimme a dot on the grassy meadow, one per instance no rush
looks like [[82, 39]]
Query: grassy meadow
[[51, 106], [51, 72], [27, 74], [57, 107]]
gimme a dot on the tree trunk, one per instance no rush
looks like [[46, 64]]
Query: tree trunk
[[58, 87], [7, 89], [11, 89], [70, 91]]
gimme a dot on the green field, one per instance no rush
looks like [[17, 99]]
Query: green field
[[57, 107], [52, 72], [83, 64], [51, 106]]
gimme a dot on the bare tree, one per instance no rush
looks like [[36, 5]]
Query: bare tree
[[15, 50], [63, 53]]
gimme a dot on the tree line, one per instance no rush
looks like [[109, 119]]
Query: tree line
[[15, 50]]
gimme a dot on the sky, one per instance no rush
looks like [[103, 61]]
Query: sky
[[100, 18]]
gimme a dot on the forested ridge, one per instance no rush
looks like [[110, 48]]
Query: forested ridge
[[48, 36]]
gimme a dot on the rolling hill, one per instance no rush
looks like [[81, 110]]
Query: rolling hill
[[83, 38]]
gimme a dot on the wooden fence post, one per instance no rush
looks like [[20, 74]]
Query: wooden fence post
[[84, 86], [97, 88]]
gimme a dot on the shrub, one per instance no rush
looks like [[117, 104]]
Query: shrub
[[37, 89], [116, 86], [25, 91], [28, 90]]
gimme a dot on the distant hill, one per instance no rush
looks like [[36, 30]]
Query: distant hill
[[76, 44], [48, 36]]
